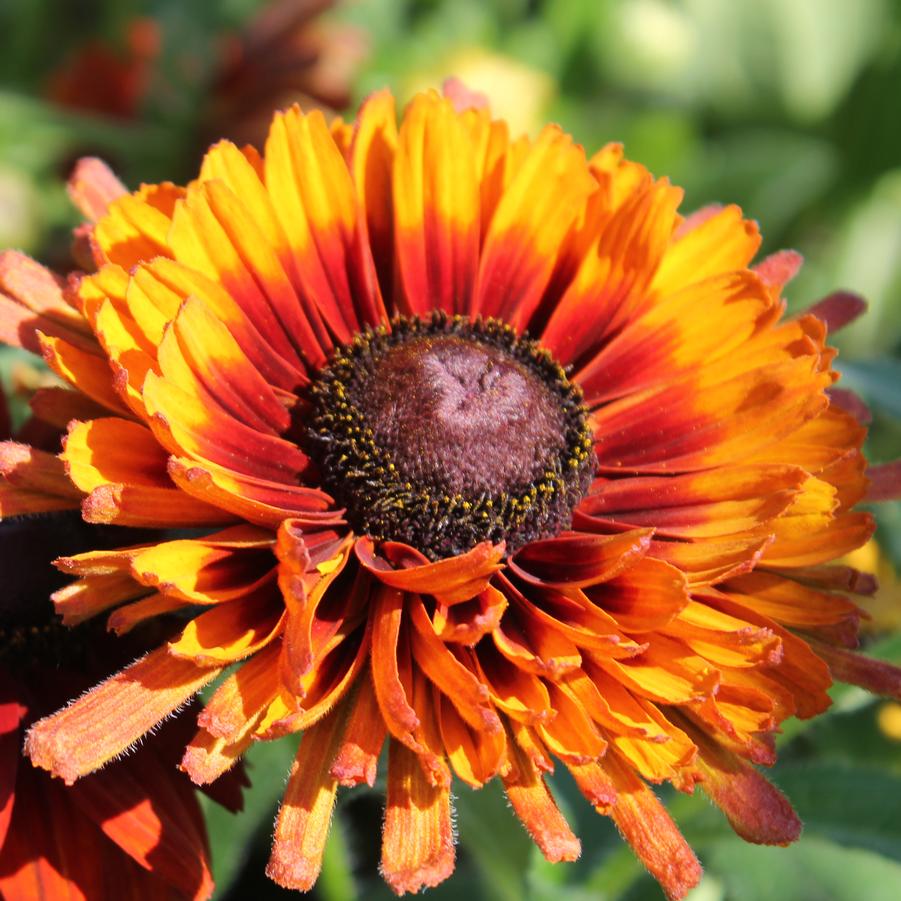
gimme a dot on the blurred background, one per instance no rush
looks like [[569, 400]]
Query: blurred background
[[791, 108]]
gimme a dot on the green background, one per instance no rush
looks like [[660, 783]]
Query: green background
[[787, 107]]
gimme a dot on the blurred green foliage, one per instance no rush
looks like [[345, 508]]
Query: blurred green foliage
[[787, 107]]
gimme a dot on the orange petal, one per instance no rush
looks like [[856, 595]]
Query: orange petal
[[450, 581], [107, 720], [436, 208], [363, 738], [123, 620], [467, 693], [307, 568], [387, 614], [206, 757], [135, 228], [93, 187], [94, 594], [59, 406], [648, 828], [35, 470], [757, 810], [577, 559], [469, 621], [418, 838], [547, 192], [723, 242], [88, 372], [306, 812], [151, 814], [231, 631], [537, 810], [244, 694], [314, 199], [19, 501], [121, 466], [212, 570], [876, 676], [520, 695], [372, 155], [51, 851], [258, 501]]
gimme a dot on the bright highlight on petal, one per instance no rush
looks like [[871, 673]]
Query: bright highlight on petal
[[484, 451]]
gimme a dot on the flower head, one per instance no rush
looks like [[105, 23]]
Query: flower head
[[487, 453]]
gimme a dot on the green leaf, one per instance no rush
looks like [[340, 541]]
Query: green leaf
[[855, 806], [496, 841], [812, 870]]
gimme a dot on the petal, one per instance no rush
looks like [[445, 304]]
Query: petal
[[123, 469], [838, 309], [439, 664], [259, 501], [136, 226], [107, 720], [621, 247], [199, 352], [417, 840], [723, 242], [364, 736], [577, 560], [184, 424], [314, 199], [372, 155], [221, 567], [93, 187], [648, 828], [87, 372], [150, 813], [306, 812], [35, 470], [436, 208], [536, 209], [670, 337], [534, 805], [231, 631], [243, 695], [94, 594], [51, 851], [450, 581], [885, 482], [755, 808]]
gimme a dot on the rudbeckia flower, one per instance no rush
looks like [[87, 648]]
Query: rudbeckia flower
[[477, 449]]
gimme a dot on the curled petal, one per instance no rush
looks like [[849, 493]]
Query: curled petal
[[449, 581]]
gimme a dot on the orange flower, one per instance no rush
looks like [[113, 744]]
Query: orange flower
[[607, 546]]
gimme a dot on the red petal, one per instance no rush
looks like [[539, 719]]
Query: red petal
[[885, 482], [838, 309]]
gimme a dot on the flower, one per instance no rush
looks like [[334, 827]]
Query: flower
[[607, 546], [283, 54], [134, 830]]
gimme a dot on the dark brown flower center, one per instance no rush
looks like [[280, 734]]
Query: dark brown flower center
[[448, 432]]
